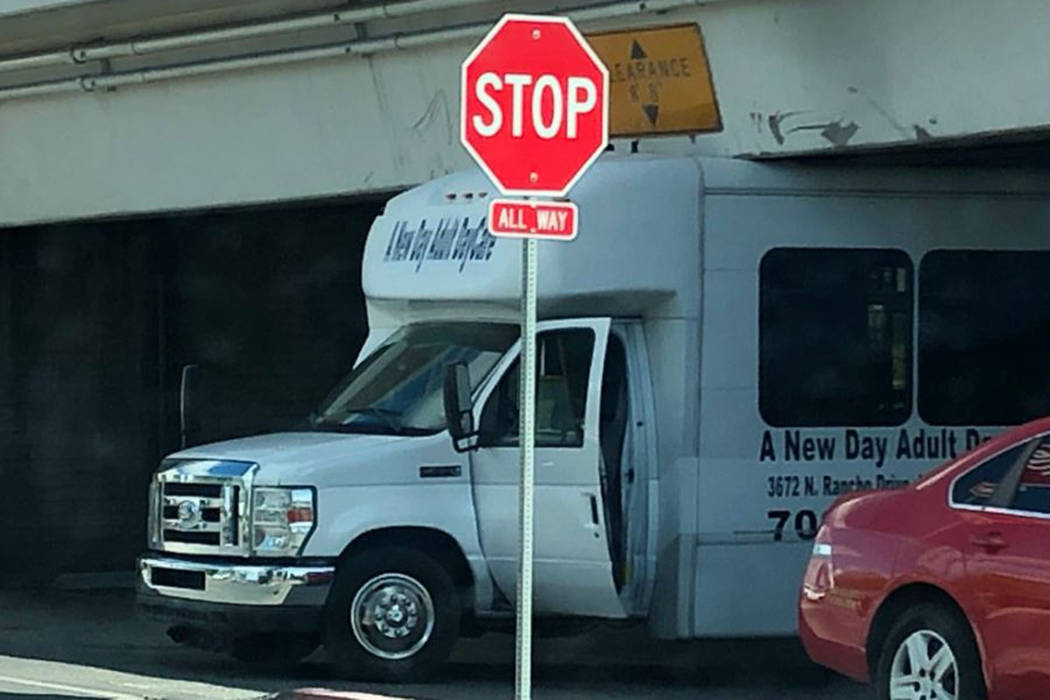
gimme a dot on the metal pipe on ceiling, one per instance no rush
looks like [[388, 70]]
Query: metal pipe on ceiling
[[39, 60], [359, 47], [139, 47]]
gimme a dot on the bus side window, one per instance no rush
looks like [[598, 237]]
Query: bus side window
[[984, 327], [835, 337]]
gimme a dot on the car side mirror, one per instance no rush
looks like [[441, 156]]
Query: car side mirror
[[459, 412]]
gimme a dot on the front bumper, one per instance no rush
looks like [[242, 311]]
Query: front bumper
[[220, 600], [235, 584]]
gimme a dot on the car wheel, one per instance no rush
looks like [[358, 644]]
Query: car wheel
[[393, 614], [929, 654]]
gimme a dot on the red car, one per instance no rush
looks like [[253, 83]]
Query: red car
[[941, 590]]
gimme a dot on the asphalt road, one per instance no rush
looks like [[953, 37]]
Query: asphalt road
[[90, 645]]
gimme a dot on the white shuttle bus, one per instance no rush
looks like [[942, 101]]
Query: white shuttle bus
[[725, 348]]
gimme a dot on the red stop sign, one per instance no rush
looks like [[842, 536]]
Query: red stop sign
[[534, 103]]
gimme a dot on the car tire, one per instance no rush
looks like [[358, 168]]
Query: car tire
[[393, 614], [930, 644]]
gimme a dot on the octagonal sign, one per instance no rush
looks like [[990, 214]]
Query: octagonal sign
[[534, 110]]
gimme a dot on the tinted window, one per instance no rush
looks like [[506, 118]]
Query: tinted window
[[979, 484], [1033, 488], [835, 337], [398, 388], [563, 372], [984, 330]]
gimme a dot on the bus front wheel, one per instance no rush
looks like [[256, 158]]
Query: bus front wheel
[[393, 614]]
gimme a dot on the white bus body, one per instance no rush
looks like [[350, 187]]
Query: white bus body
[[727, 345]]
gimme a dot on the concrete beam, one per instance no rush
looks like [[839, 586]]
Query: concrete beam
[[792, 76]]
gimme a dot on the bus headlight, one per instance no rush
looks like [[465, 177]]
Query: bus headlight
[[282, 519]]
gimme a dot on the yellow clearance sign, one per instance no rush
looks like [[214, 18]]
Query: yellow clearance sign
[[659, 80]]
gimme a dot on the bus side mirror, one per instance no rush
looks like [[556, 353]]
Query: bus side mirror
[[458, 410]]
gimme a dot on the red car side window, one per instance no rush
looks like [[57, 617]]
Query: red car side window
[[976, 486], [1033, 488]]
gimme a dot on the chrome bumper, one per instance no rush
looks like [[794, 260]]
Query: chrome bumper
[[229, 583]]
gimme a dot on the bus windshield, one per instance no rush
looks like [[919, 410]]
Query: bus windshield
[[398, 389]]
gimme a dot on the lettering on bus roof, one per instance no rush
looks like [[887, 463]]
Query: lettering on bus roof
[[445, 240]]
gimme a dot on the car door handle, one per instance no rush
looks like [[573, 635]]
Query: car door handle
[[993, 541]]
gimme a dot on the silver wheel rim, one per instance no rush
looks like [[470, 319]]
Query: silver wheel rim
[[924, 668], [392, 616]]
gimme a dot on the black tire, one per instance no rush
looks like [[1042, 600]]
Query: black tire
[[272, 650], [397, 569], [948, 625]]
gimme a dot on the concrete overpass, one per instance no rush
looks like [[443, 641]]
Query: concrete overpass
[[108, 109]]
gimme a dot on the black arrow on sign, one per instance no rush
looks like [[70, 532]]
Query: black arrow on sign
[[651, 111]]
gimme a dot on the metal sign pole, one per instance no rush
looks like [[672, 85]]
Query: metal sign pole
[[527, 432]]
